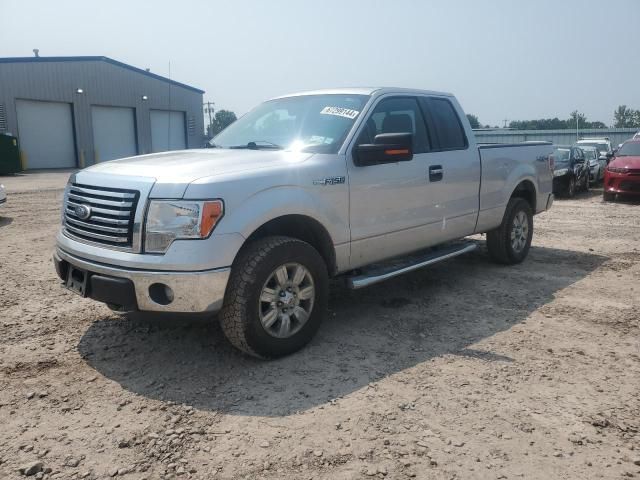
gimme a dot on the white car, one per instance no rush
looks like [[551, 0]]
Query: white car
[[602, 144], [637, 135], [3, 195]]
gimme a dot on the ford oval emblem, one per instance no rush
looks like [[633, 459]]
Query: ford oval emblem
[[83, 212]]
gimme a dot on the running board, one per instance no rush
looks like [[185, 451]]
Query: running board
[[384, 271]]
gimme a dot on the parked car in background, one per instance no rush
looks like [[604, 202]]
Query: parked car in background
[[3, 195], [602, 144], [571, 171], [597, 164], [622, 175]]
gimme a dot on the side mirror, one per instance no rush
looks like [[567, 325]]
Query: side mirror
[[611, 154], [386, 148]]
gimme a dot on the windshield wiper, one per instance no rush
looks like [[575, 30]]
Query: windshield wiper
[[259, 145]]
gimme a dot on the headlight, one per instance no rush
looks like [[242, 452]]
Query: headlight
[[561, 172], [169, 220]]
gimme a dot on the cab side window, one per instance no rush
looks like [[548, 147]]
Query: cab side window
[[397, 115], [444, 124]]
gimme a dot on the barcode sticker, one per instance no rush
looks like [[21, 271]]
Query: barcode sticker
[[340, 112]]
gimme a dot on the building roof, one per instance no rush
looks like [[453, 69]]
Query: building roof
[[97, 59]]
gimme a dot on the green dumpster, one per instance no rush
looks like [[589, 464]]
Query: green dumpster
[[9, 155]]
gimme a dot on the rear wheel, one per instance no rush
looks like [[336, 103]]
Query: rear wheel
[[510, 242], [276, 297]]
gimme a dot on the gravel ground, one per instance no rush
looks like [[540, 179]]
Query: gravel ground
[[464, 370]]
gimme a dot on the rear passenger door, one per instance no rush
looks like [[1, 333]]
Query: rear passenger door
[[455, 194]]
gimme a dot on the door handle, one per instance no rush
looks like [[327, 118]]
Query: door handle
[[435, 173]]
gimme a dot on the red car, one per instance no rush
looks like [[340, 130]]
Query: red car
[[622, 175]]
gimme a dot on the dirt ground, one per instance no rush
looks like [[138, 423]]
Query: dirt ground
[[460, 371]]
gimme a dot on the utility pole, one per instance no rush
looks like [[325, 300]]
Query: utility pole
[[505, 122], [577, 126], [208, 108]]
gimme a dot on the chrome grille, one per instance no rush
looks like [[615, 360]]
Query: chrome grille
[[112, 213]]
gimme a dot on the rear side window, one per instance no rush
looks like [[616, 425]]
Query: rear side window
[[444, 124], [397, 115]]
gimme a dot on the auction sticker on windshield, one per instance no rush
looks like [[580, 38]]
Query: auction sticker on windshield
[[340, 112]]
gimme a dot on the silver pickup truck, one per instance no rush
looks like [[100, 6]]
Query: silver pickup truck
[[360, 183]]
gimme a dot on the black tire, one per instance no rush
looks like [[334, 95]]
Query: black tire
[[608, 197], [255, 265], [499, 242], [571, 187]]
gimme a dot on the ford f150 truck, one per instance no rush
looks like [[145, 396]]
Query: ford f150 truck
[[361, 183]]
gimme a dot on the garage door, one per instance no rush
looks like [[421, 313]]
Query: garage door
[[114, 132], [167, 131], [45, 132]]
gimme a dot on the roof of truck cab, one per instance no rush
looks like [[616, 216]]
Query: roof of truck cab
[[364, 91]]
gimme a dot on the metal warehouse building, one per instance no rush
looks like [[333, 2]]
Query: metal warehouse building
[[76, 111]]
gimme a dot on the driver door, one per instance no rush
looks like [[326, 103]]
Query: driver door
[[389, 203]]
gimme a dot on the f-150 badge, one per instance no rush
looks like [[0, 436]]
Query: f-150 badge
[[329, 181]]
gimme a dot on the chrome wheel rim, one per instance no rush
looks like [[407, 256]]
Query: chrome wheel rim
[[519, 232], [286, 300]]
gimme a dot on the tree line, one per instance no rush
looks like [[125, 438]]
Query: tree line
[[624, 117], [219, 121]]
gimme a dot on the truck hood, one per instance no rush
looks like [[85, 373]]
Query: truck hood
[[172, 172]]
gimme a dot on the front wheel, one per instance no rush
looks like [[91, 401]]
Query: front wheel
[[571, 188], [510, 242], [276, 297]]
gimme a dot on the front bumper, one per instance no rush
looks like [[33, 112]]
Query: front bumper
[[132, 289], [622, 183]]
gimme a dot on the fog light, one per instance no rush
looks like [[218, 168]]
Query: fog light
[[161, 293]]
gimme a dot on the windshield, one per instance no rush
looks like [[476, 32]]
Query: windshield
[[590, 154], [631, 149], [315, 123], [603, 148], [561, 156]]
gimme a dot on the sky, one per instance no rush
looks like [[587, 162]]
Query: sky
[[503, 59]]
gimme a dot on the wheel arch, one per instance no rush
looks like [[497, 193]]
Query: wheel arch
[[303, 228], [527, 191]]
